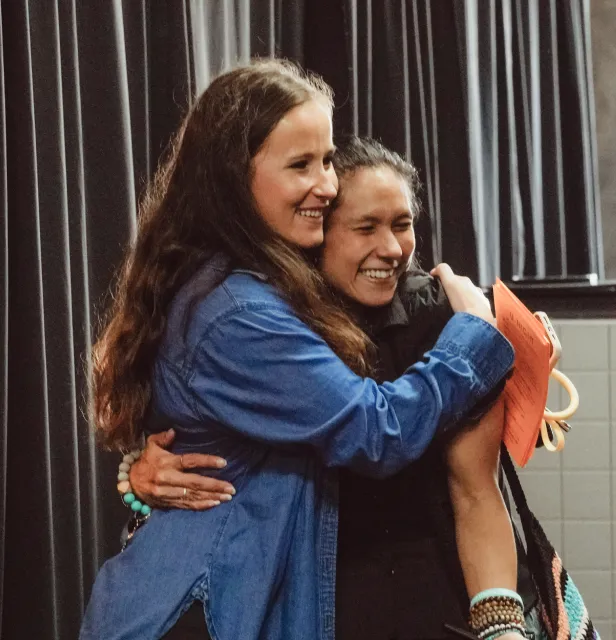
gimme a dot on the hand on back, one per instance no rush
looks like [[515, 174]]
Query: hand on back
[[160, 480]]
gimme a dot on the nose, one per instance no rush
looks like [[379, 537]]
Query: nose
[[389, 247], [326, 186]]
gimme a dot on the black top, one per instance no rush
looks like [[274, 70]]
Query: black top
[[398, 572]]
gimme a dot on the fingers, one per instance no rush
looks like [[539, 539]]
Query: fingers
[[176, 498], [442, 271], [163, 439], [158, 477], [463, 295], [185, 498], [171, 478], [200, 461], [171, 488], [450, 280]]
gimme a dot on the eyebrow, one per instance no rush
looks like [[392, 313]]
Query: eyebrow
[[367, 217], [309, 154], [370, 217]]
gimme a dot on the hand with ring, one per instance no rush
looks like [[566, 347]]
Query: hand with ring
[[159, 478]]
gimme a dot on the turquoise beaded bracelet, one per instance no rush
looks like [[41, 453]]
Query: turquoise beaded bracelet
[[129, 499]]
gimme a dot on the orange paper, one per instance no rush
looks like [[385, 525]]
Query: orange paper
[[526, 392]]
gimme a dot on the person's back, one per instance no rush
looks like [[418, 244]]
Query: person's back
[[268, 534]]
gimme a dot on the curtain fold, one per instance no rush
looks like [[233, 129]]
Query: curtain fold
[[407, 87], [492, 101], [4, 315], [93, 91], [532, 146]]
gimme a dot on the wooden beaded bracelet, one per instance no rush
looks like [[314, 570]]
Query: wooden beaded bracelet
[[495, 612]]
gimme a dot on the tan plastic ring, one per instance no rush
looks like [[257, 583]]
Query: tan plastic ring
[[573, 394]]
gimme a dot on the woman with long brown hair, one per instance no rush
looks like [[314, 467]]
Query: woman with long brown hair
[[223, 326]]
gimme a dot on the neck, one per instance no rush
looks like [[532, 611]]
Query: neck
[[367, 318]]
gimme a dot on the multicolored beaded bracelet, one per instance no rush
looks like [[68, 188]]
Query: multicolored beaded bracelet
[[129, 499]]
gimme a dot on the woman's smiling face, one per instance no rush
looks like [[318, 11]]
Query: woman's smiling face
[[294, 178], [370, 237]]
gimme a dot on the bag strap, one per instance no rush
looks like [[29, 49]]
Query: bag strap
[[539, 552], [519, 497]]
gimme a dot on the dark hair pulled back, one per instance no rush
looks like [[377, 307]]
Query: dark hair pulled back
[[354, 153]]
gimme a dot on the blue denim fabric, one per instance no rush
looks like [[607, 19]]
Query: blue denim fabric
[[243, 378]]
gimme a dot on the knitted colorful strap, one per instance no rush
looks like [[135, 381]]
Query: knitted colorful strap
[[563, 612]]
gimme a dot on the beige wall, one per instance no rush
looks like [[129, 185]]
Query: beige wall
[[574, 493]]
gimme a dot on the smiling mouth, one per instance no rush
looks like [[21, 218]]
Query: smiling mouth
[[310, 213], [378, 274]]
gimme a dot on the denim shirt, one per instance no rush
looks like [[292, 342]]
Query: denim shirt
[[243, 378]]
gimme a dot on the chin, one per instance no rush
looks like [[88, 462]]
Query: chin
[[377, 301], [312, 242]]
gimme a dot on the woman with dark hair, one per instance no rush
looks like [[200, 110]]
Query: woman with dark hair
[[405, 565], [223, 327]]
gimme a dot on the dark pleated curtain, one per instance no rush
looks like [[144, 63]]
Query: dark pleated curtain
[[91, 92], [492, 100], [531, 137]]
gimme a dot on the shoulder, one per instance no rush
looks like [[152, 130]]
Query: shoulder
[[419, 312], [245, 322], [240, 294], [211, 302], [251, 290], [419, 298]]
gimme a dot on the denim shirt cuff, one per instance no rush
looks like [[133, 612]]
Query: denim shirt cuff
[[486, 349]]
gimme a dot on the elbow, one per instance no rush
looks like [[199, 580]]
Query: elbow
[[468, 496]]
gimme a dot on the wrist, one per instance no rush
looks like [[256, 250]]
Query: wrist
[[496, 613], [127, 495]]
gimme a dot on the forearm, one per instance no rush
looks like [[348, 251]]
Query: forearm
[[484, 535], [291, 389]]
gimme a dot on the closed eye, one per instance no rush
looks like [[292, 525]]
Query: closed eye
[[300, 164], [403, 226]]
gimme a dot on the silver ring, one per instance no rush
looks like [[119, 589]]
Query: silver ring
[[182, 461], [185, 492]]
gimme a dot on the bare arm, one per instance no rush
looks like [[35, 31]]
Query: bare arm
[[484, 534]]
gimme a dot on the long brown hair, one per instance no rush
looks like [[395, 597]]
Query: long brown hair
[[199, 203]]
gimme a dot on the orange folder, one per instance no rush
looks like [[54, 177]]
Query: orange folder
[[526, 392]]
